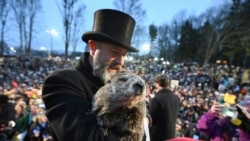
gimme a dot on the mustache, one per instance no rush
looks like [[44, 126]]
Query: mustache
[[116, 65]]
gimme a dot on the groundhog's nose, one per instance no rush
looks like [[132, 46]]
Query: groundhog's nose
[[139, 86]]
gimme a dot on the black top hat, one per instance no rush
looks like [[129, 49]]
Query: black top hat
[[112, 26]]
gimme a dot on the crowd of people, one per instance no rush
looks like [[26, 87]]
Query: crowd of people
[[22, 79], [31, 87], [22, 109], [199, 89]]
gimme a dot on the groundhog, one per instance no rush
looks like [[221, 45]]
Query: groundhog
[[120, 105]]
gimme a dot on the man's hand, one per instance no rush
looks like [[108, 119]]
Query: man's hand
[[216, 108], [243, 110]]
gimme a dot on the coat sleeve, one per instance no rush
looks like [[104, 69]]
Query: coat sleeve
[[207, 123], [154, 109], [67, 101], [245, 121]]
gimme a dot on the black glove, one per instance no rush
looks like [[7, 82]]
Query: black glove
[[243, 121]]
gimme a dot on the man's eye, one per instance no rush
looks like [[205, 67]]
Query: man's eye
[[115, 52]]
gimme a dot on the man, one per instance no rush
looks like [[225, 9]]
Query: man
[[140, 72], [164, 108], [68, 93], [7, 114]]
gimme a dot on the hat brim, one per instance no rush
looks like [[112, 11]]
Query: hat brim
[[105, 38]]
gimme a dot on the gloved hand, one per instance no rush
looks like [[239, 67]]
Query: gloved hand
[[243, 120]]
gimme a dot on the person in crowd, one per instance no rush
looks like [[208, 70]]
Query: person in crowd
[[179, 132], [21, 121], [147, 122], [39, 129], [164, 109], [33, 111], [190, 117], [68, 93], [7, 115], [219, 126], [243, 109], [140, 71]]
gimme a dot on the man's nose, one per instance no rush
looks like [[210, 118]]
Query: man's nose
[[120, 60]]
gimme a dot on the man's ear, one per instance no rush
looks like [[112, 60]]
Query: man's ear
[[92, 47]]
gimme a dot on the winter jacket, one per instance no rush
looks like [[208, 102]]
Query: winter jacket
[[67, 95], [220, 128]]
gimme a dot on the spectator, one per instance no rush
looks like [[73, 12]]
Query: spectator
[[7, 114], [39, 129], [179, 128], [218, 126], [189, 118], [243, 109], [21, 121], [164, 109]]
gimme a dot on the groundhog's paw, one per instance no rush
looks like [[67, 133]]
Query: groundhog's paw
[[131, 138], [127, 138]]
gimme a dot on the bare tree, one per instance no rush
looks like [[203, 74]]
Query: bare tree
[[134, 8], [222, 29], [19, 8], [33, 7], [70, 16], [175, 32], [164, 42], [236, 46], [25, 13], [4, 12], [78, 22]]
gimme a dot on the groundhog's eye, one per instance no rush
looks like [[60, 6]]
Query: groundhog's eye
[[123, 79]]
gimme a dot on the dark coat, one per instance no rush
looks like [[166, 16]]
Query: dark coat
[[7, 113], [163, 110], [67, 95], [7, 110]]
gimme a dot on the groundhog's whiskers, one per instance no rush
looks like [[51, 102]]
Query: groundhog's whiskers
[[113, 89]]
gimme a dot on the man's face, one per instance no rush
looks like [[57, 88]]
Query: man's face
[[108, 59], [140, 73], [157, 86]]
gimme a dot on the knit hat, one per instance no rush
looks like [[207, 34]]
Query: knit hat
[[139, 70]]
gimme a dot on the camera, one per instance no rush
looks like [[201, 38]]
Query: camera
[[230, 111]]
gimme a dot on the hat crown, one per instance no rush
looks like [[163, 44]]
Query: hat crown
[[112, 26], [120, 26]]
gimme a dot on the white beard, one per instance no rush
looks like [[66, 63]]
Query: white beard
[[100, 71]]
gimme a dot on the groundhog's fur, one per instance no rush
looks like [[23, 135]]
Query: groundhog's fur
[[120, 105]]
